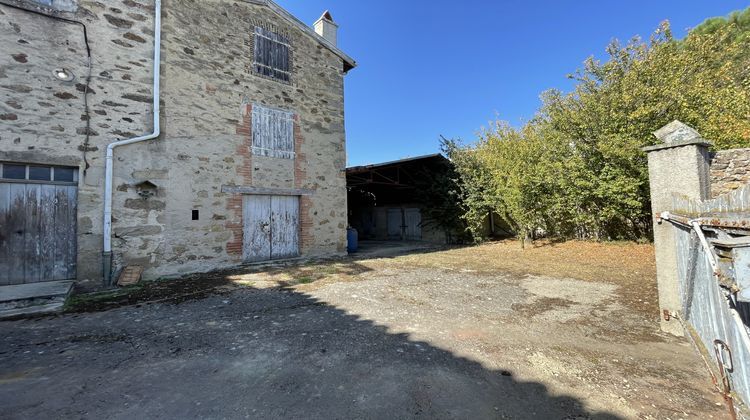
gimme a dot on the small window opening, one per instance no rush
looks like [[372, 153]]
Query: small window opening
[[196, 215], [14, 171], [40, 173]]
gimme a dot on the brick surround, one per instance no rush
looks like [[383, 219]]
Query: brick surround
[[300, 178], [245, 171]]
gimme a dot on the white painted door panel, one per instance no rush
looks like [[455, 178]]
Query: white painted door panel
[[284, 227], [256, 216], [271, 227]]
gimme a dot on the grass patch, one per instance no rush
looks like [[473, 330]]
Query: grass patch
[[305, 279], [76, 303]]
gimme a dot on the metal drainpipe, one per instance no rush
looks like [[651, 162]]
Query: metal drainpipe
[[107, 248]]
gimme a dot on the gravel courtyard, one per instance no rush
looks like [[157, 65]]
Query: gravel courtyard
[[560, 331]]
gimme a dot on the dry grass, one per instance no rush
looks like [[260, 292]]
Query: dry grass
[[626, 264]]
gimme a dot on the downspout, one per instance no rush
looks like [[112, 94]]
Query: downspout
[[107, 248]]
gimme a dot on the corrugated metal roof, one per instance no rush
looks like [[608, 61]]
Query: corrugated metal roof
[[394, 162]]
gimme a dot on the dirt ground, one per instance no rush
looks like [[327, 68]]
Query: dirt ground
[[559, 331]]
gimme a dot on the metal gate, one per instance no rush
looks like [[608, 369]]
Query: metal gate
[[271, 227], [713, 250], [37, 223]]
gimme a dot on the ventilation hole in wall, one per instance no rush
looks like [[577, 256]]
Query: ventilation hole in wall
[[196, 215]]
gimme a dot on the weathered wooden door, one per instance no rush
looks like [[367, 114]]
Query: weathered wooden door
[[284, 227], [271, 227], [394, 223], [413, 224], [37, 232], [256, 216]]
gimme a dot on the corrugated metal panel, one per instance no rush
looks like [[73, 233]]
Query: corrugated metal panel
[[709, 300]]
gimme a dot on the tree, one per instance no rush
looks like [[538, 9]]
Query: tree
[[577, 169]]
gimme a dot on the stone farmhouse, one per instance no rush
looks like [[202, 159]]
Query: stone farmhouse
[[174, 137]]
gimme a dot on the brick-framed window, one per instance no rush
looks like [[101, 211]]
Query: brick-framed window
[[272, 132], [272, 55]]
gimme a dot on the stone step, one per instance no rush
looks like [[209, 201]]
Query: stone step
[[33, 298]]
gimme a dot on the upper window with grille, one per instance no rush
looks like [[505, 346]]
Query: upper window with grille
[[273, 132], [272, 55]]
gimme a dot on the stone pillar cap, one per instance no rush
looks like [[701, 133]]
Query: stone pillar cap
[[677, 134]]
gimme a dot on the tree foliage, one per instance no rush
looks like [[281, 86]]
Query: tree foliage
[[577, 169]]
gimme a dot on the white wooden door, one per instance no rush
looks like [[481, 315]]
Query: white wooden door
[[284, 227], [413, 224], [256, 216], [271, 227], [394, 223]]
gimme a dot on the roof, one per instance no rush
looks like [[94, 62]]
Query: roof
[[349, 62], [363, 168]]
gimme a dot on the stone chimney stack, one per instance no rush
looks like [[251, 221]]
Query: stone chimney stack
[[327, 28]]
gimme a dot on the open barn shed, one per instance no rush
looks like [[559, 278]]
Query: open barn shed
[[390, 200]]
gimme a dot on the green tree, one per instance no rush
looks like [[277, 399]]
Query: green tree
[[577, 169]]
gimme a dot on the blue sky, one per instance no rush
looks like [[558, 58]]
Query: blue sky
[[436, 67]]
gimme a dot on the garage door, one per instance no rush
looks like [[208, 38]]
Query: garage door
[[37, 223], [271, 227]]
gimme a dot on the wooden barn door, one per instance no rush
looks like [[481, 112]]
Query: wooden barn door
[[413, 224], [271, 227], [395, 224], [37, 232], [256, 216], [284, 227]]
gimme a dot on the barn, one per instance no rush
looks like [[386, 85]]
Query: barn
[[389, 201]]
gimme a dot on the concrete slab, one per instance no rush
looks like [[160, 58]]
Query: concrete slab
[[381, 249], [35, 290]]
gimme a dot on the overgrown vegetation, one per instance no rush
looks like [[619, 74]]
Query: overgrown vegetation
[[576, 170]]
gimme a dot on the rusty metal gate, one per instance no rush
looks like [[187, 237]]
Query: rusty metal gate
[[713, 253]]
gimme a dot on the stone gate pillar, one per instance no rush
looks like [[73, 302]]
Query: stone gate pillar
[[679, 165]]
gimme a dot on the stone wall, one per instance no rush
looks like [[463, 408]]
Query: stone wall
[[730, 169], [208, 88]]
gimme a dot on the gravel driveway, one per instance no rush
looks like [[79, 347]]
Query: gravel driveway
[[390, 338]]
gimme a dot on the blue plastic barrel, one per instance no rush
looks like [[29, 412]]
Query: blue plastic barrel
[[351, 240]]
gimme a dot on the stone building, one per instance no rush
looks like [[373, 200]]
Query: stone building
[[238, 143]]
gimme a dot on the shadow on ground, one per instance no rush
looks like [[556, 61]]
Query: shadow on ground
[[271, 353], [272, 274]]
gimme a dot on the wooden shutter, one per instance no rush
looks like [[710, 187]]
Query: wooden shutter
[[273, 132], [271, 54]]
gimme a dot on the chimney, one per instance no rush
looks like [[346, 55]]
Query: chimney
[[326, 27]]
